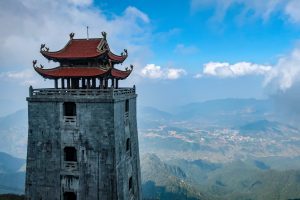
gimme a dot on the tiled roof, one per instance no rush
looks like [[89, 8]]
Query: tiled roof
[[117, 58], [83, 49], [120, 74], [76, 48], [59, 72], [78, 72]]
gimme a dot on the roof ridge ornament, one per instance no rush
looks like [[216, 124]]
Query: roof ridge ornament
[[104, 35], [71, 35], [44, 48], [34, 63], [125, 53], [131, 68]]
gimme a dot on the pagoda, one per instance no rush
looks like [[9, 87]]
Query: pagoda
[[82, 133], [82, 62]]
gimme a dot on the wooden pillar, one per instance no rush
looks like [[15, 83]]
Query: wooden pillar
[[117, 83], [88, 82], [68, 83], [93, 82], [62, 83], [55, 83], [83, 82], [73, 83], [106, 83], [100, 83], [112, 82], [76, 83]]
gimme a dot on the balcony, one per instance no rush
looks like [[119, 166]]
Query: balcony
[[70, 120], [106, 93], [70, 165], [126, 115]]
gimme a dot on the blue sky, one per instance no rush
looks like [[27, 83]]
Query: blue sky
[[183, 51]]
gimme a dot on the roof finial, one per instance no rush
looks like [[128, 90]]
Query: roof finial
[[72, 35], [103, 34], [34, 62], [42, 47], [87, 32]]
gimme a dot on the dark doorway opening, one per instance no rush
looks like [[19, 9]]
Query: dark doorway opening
[[128, 146], [130, 185], [69, 109], [126, 105], [69, 196], [70, 154]]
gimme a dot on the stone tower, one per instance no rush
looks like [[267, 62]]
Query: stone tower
[[82, 137]]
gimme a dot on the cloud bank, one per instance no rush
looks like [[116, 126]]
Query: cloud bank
[[27, 24], [153, 71], [227, 70], [286, 73], [256, 8]]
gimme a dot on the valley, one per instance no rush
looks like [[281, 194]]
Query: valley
[[235, 149]]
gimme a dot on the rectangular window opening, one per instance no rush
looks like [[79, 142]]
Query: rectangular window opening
[[126, 105], [69, 109]]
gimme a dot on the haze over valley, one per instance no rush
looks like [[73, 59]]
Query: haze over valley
[[219, 149]]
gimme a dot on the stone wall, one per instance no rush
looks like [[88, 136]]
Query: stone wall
[[98, 133]]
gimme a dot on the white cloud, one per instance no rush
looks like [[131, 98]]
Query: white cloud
[[225, 70], [292, 10], [25, 77], [174, 73], [197, 76], [286, 73], [134, 13], [27, 24], [283, 76], [257, 8], [153, 71]]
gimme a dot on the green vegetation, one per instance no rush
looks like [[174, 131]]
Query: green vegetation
[[238, 180]]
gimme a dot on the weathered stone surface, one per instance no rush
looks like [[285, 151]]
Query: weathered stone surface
[[98, 132]]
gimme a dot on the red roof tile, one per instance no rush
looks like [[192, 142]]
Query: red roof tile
[[59, 72], [120, 74], [117, 58], [76, 48], [78, 72]]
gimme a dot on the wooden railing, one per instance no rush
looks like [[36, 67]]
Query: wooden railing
[[126, 115], [70, 120], [70, 165], [111, 92]]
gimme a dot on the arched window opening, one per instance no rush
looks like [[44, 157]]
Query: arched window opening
[[69, 196], [70, 154], [130, 185], [128, 146], [69, 109]]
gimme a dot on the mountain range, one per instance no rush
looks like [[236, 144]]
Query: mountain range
[[220, 149], [12, 174]]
